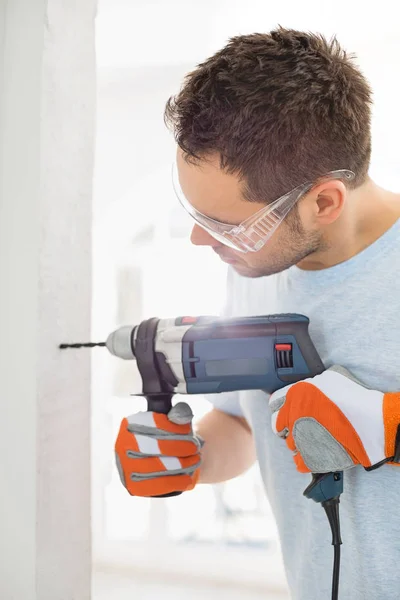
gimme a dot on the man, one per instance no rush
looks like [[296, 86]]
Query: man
[[284, 117]]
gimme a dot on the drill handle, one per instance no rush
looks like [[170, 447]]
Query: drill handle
[[159, 403], [324, 486]]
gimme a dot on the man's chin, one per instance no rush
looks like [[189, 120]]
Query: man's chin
[[245, 270], [254, 272]]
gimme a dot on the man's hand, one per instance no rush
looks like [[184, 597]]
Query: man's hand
[[158, 454], [331, 422]]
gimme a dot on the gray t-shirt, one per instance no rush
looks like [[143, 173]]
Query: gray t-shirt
[[354, 312]]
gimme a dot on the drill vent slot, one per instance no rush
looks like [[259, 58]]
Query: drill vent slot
[[284, 357], [191, 360]]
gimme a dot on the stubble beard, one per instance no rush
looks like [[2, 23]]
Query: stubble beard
[[300, 244]]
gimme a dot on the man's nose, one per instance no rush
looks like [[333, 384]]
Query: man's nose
[[200, 237]]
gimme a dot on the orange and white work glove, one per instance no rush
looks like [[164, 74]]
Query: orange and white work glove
[[332, 422], [158, 454]]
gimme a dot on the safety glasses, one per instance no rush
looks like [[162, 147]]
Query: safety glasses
[[254, 232]]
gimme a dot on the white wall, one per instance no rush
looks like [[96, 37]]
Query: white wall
[[46, 155]]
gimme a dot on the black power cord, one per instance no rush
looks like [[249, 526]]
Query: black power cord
[[326, 488], [331, 508]]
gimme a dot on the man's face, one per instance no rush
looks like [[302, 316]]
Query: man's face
[[218, 195]]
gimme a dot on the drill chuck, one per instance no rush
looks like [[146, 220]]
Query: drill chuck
[[121, 343]]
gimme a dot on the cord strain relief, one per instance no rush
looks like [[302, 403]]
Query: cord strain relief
[[331, 508]]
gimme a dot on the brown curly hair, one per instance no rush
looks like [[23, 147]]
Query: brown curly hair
[[279, 109]]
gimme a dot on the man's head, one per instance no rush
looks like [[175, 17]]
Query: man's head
[[268, 113]]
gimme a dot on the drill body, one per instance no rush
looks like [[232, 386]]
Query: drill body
[[208, 355]]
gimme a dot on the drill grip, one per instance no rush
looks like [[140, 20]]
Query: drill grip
[[324, 486], [159, 403]]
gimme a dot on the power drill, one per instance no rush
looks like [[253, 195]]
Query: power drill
[[208, 355]]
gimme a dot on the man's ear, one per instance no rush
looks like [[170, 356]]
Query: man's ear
[[328, 200]]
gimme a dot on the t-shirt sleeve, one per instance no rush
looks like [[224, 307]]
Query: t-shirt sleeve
[[228, 402]]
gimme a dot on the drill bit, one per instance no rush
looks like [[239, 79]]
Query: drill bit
[[85, 345]]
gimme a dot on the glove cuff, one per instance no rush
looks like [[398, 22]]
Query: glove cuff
[[391, 420]]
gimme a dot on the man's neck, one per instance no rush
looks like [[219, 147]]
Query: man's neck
[[369, 213]]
